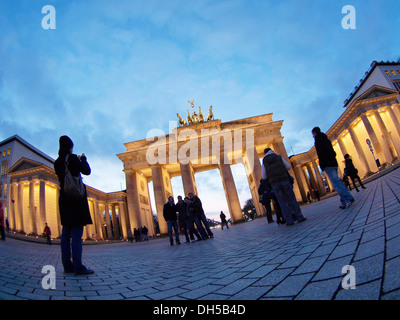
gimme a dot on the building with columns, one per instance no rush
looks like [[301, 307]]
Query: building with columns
[[368, 130], [31, 196], [196, 148]]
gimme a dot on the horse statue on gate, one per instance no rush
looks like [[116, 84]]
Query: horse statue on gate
[[182, 122], [210, 115]]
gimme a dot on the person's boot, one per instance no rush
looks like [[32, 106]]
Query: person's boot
[[171, 242], [178, 241]]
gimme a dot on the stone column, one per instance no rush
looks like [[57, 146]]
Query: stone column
[[103, 233], [96, 212], [359, 150], [312, 176], [12, 207], [231, 195], [132, 197], [388, 147], [396, 124], [32, 209], [373, 137], [115, 222], [307, 179], [188, 179], [321, 185], [123, 219], [160, 196], [342, 146], [20, 208], [300, 181], [253, 170], [58, 211], [42, 203], [108, 222]]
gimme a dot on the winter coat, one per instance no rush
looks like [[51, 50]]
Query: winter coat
[[351, 171], [326, 153], [73, 212], [275, 168], [197, 206], [183, 212], [169, 212]]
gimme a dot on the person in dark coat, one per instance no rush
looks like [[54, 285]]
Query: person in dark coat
[[265, 200], [171, 217], [223, 220], [183, 216], [267, 196], [191, 221], [352, 172], [199, 212], [74, 213], [145, 232], [309, 200], [327, 161]]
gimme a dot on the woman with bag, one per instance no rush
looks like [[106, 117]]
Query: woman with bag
[[73, 203]]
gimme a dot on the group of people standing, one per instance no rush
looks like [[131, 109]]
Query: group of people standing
[[276, 184], [139, 234], [189, 213]]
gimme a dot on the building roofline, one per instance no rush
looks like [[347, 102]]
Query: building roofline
[[28, 146], [374, 64]]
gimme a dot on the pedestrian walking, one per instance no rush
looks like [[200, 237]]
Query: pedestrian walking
[[47, 233], [275, 169], [264, 199], [74, 210], [198, 207], [136, 234], [352, 172], [268, 196], [223, 220], [328, 163], [309, 200], [171, 217], [2, 233]]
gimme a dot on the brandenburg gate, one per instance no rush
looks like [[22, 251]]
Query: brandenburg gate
[[197, 145]]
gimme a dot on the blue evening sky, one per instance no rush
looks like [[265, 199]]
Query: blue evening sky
[[113, 70]]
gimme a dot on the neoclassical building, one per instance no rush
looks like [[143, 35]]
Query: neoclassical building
[[196, 148], [31, 196], [368, 130]]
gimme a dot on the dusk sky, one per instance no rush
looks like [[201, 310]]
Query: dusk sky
[[113, 70]]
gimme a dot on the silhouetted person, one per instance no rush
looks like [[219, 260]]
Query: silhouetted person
[[2, 233], [130, 235], [47, 233], [352, 172], [346, 180], [328, 163], [267, 196], [145, 233], [275, 169], [183, 216], [223, 220], [317, 195], [198, 207], [191, 221], [74, 212], [171, 217], [309, 197]]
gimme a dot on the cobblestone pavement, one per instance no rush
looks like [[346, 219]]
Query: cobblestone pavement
[[249, 261]]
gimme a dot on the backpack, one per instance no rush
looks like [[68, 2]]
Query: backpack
[[73, 186]]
